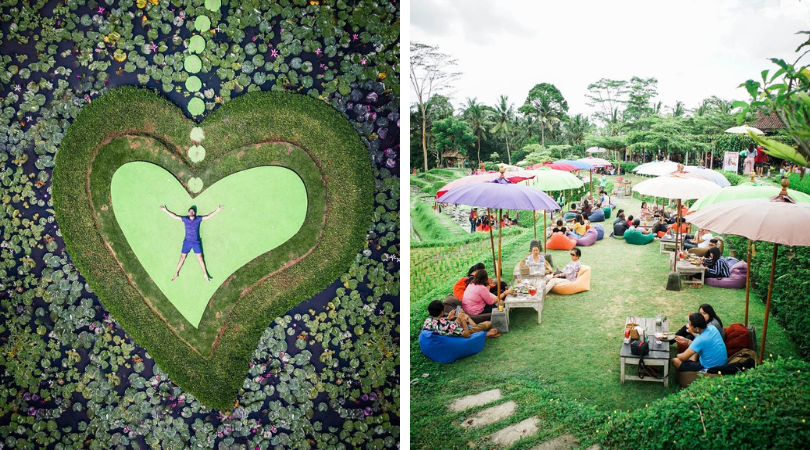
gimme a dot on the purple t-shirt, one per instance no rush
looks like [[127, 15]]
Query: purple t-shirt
[[192, 228]]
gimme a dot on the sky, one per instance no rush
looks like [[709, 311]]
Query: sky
[[695, 49]]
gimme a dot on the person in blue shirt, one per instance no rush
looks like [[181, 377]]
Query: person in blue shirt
[[192, 239], [707, 350]]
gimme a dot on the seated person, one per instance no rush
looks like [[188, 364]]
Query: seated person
[[568, 274], [463, 282], [707, 350], [700, 240], [477, 299], [645, 211], [587, 208], [579, 227], [506, 221], [573, 210], [658, 225], [619, 216], [637, 226], [560, 228], [604, 199], [461, 326], [717, 267], [536, 261], [630, 221], [682, 336]]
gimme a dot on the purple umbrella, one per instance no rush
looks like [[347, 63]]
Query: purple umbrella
[[501, 196]]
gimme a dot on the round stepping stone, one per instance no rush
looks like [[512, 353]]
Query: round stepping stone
[[196, 153], [196, 44], [193, 84], [195, 184], [196, 106], [197, 134], [192, 64], [202, 24]]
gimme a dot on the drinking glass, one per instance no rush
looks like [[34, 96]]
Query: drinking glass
[[658, 321]]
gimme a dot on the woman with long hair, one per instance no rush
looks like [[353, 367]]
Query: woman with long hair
[[477, 299]]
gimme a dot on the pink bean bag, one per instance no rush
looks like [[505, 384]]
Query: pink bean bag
[[559, 241], [589, 239], [734, 281]]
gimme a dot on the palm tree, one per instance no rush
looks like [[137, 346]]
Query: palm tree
[[679, 109], [504, 115], [478, 117], [575, 129], [546, 114]]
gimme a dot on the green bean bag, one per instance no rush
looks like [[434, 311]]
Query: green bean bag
[[606, 209], [636, 237]]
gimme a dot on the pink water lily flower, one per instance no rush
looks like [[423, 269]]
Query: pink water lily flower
[[318, 51]]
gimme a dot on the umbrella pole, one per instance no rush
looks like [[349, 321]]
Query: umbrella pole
[[677, 237], [591, 172], [491, 238], [768, 304], [747, 282], [498, 268], [545, 226], [534, 221]]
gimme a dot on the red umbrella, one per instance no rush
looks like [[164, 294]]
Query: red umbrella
[[559, 166]]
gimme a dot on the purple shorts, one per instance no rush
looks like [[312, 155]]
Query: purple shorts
[[191, 245]]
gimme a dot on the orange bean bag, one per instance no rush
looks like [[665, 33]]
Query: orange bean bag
[[559, 241], [581, 284]]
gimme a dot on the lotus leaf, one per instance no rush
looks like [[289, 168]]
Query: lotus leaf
[[202, 24], [193, 84], [196, 44], [196, 106]]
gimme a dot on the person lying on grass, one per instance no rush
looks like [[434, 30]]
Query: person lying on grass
[[568, 274], [707, 350], [192, 239], [477, 299], [458, 326]]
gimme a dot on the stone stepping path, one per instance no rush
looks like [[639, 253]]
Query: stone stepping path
[[511, 434]]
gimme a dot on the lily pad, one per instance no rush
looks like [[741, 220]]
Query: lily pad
[[213, 5], [193, 84], [196, 44], [196, 106], [202, 24], [192, 64]]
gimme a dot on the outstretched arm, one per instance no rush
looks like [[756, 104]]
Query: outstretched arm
[[171, 214], [208, 216]]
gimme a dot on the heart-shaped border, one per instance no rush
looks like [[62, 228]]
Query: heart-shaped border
[[253, 118]]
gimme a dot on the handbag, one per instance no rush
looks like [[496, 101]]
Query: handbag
[[639, 348], [631, 325]]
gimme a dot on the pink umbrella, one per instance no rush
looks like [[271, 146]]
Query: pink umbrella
[[559, 166], [484, 177], [596, 162], [779, 220]]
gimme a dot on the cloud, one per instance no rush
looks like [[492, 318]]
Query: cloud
[[478, 22]]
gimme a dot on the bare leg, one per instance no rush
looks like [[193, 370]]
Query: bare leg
[[179, 265], [202, 264]]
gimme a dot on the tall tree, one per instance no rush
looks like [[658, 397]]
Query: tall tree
[[575, 129], [431, 71], [452, 134], [640, 92], [504, 116], [609, 96], [437, 108], [478, 117], [679, 109], [546, 103]]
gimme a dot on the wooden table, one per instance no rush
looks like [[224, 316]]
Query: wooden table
[[687, 269], [659, 353], [666, 245], [525, 301]]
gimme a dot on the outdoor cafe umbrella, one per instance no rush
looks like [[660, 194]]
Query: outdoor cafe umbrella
[[500, 196], [515, 177], [555, 166], [596, 150], [744, 129], [656, 168], [754, 220], [553, 180], [595, 162], [744, 192], [708, 175], [676, 186]]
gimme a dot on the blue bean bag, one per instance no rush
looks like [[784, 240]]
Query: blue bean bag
[[636, 237], [589, 238], [597, 216], [446, 349], [606, 209], [569, 216], [600, 231]]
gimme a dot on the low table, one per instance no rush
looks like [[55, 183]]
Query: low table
[[687, 269], [659, 353], [666, 245], [525, 301]]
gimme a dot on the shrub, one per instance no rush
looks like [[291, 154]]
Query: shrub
[[761, 408], [732, 178]]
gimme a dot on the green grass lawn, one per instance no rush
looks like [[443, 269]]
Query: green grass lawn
[[574, 353]]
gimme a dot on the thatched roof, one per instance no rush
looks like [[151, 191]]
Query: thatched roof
[[450, 154], [769, 123]]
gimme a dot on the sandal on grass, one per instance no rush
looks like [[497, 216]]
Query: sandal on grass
[[493, 333]]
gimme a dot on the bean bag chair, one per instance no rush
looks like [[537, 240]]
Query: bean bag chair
[[600, 231], [735, 280], [606, 210], [597, 216], [450, 302], [636, 237], [702, 251], [569, 216], [581, 284], [684, 228], [589, 238], [559, 241], [737, 338], [446, 349]]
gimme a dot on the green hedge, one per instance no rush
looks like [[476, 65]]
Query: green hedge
[[335, 228], [732, 178], [627, 166], [763, 408]]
